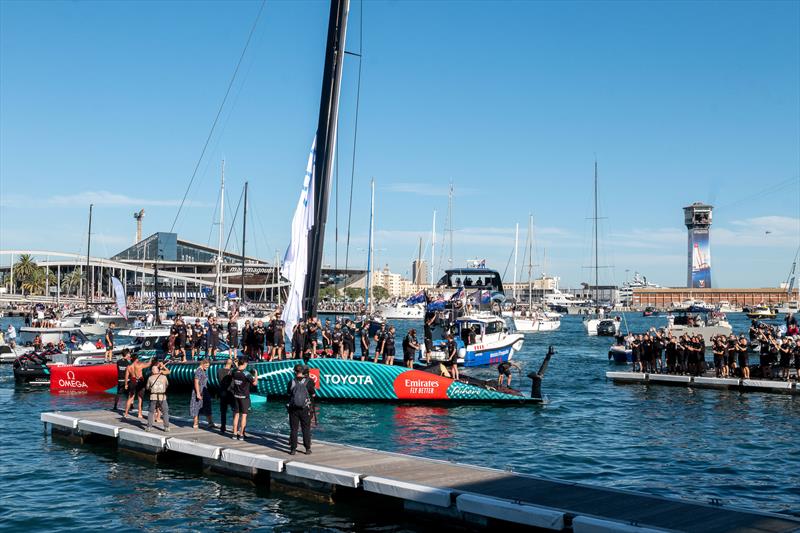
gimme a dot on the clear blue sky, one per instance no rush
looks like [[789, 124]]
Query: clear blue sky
[[111, 102]]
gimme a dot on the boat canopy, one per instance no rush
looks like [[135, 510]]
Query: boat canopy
[[477, 278]]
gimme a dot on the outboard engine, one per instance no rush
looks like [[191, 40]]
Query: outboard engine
[[536, 377]]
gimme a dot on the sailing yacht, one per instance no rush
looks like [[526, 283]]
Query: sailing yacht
[[591, 322], [534, 320]]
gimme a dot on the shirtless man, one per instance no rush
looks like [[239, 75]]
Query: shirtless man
[[134, 383]]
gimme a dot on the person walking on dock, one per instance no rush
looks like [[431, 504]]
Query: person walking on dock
[[157, 385], [225, 379], [200, 402], [241, 397], [122, 366], [301, 392]]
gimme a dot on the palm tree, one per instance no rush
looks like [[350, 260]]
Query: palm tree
[[38, 281], [24, 270], [72, 281]]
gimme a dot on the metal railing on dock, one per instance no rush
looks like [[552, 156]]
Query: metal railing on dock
[[479, 497]]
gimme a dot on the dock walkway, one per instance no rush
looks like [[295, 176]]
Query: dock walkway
[[477, 496], [707, 382]]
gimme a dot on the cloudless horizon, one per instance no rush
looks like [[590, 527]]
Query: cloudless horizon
[[111, 102]]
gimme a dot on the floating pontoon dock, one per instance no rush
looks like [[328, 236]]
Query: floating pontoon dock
[[476, 497], [707, 382]]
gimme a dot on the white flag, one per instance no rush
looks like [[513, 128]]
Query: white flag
[[119, 293], [295, 262]]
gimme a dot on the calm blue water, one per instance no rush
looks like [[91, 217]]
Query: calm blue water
[[743, 449]]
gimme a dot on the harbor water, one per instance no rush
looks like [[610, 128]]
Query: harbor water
[[740, 449]]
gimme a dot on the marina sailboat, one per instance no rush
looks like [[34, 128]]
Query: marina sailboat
[[351, 379], [534, 320], [598, 323]]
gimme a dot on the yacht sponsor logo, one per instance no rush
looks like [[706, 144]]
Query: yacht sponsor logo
[[313, 374], [346, 379], [415, 384], [71, 382]]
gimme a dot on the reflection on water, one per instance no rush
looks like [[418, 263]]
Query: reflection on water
[[695, 444]]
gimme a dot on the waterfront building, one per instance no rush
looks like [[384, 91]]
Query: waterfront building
[[673, 297]]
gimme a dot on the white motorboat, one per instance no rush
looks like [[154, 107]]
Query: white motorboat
[[724, 306], [707, 324], [92, 322], [537, 321], [493, 344], [599, 324], [401, 311], [789, 307], [7, 353]]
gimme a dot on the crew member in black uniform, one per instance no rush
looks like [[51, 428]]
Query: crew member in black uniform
[[233, 334], [259, 336], [365, 341], [213, 337], [410, 347], [278, 337], [301, 392]]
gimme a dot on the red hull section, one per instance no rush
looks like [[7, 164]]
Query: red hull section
[[89, 378]]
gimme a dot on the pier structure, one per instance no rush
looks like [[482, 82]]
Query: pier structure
[[437, 492], [707, 382]]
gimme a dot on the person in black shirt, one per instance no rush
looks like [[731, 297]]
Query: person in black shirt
[[451, 351], [259, 336], [301, 391], [270, 337], [298, 341], [233, 334], [326, 338], [427, 332], [247, 331], [672, 354], [278, 337], [110, 342], [180, 340], [122, 366], [410, 347], [310, 347], [198, 338], [380, 343], [389, 347], [365, 341], [348, 341], [241, 397], [504, 372], [719, 350], [225, 379], [337, 339], [213, 337]]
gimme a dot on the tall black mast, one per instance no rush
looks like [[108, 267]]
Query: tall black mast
[[88, 255], [244, 234], [326, 148], [596, 258]]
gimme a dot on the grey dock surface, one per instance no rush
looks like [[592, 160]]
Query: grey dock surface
[[707, 382], [475, 496]]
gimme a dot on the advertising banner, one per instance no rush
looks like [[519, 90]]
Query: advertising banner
[[701, 260]]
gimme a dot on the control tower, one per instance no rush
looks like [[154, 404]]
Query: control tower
[[697, 218]]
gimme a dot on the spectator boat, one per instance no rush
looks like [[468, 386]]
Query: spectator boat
[[698, 322]]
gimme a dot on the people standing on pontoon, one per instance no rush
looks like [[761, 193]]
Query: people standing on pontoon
[[200, 400]]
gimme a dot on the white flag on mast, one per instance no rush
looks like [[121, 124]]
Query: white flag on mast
[[295, 262], [119, 294]]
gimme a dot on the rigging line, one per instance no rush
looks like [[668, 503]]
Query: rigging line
[[233, 222], [219, 112], [213, 218], [355, 132]]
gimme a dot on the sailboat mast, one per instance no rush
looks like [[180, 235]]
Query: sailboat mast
[[417, 274], [433, 250], [244, 240], [326, 148], [371, 247], [218, 288], [516, 251], [596, 259], [450, 222], [530, 261], [88, 255]]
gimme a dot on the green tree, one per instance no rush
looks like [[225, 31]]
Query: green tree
[[72, 281], [37, 282], [379, 292], [328, 292], [24, 270], [354, 293]]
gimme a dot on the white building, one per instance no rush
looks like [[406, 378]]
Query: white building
[[394, 283]]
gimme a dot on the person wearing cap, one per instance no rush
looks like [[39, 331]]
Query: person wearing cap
[[301, 391]]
